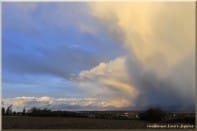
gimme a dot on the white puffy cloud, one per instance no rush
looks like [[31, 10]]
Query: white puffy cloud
[[110, 80], [67, 103], [113, 68]]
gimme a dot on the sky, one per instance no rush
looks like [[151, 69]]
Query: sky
[[98, 55]]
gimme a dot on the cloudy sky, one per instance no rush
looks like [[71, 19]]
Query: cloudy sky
[[98, 56]]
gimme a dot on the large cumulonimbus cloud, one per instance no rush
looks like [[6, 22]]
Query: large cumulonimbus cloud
[[156, 69], [159, 67]]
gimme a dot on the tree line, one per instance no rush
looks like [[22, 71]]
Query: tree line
[[151, 114], [39, 112]]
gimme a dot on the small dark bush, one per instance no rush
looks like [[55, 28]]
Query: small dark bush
[[3, 110], [152, 115]]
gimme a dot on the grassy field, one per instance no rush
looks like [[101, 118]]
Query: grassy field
[[25, 122]]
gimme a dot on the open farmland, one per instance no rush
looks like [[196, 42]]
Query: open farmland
[[46, 119], [25, 122]]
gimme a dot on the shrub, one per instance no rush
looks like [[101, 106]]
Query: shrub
[[152, 115], [3, 110]]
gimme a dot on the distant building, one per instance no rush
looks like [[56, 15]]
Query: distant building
[[124, 115], [91, 116], [136, 116]]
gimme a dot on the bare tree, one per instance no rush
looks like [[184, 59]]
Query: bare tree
[[9, 110]]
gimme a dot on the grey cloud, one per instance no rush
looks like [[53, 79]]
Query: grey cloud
[[60, 62], [176, 91]]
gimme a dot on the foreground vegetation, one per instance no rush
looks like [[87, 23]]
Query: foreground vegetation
[[25, 122], [36, 118]]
